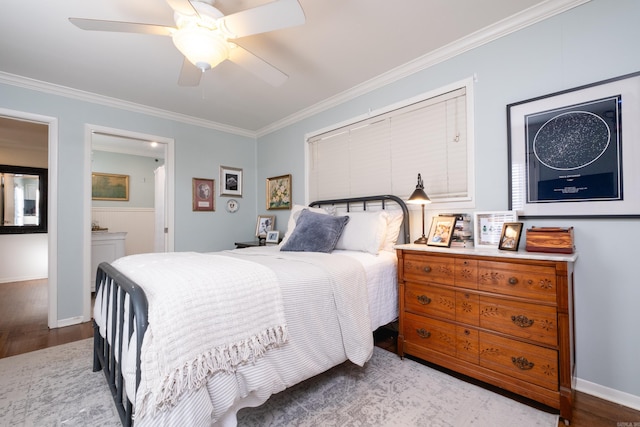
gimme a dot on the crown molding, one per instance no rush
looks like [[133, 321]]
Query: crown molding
[[509, 25], [486, 35], [40, 86]]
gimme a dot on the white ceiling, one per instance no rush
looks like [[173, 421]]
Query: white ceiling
[[343, 45]]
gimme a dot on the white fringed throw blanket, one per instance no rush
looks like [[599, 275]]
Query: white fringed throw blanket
[[207, 313]]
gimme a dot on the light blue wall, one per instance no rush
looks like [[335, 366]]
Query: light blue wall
[[199, 152], [595, 41]]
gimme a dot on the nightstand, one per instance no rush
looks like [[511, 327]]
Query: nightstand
[[242, 245]]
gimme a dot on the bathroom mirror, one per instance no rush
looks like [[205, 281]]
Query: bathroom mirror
[[23, 200]]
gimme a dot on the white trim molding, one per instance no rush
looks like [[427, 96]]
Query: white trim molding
[[610, 394]]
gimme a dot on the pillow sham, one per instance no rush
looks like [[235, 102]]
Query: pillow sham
[[293, 217], [365, 232], [394, 223], [315, 232]]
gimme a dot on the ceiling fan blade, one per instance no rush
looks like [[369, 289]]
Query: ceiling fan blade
[[257, 66], [269, 17], [189, 74], [183, 7], [122, 27]]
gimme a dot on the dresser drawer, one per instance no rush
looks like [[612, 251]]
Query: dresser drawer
[[466, 273], [537, 365], [530, 321], [467, 344], [528, 281], [430, 300], [430, 333], [424, 268], [467, 308]]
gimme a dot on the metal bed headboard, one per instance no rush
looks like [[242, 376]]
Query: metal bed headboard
[[366, 199]]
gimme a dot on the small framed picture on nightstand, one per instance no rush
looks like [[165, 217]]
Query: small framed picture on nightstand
[[272, 236]]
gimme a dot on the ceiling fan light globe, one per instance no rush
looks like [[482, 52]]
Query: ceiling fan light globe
[[204, 66], [202, 47]]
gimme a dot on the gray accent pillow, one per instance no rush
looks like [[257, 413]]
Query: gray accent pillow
[[315, 232]]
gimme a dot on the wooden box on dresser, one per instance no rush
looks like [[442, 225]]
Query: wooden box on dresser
[[502, 317]]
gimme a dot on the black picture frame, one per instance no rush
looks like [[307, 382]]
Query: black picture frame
[[572, 154], [510, 237]]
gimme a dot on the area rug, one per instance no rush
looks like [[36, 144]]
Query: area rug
[[56, 387]]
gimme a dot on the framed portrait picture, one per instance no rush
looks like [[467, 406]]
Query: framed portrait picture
[[265, 225], [203, 194], [441, 231], [273, 236], [571, 153], [109, 186], [487, 227], [230, 181], [510, 237], [279, 192]]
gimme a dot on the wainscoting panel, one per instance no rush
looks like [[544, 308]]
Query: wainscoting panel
[[138, 223]]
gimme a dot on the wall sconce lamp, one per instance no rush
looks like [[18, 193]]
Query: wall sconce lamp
[[419, 197]]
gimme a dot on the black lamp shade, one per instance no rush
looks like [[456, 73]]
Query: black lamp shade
[[419, 197]]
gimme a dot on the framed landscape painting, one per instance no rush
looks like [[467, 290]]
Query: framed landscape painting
[[108, 186]]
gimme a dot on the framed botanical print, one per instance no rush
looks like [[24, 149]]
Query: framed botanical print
[[279, 192]]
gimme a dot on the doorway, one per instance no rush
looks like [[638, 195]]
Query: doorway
[[52, 188], [102, 139]]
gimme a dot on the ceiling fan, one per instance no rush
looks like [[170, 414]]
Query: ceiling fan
[[203, 33]]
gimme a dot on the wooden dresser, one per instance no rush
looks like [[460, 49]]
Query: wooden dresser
[[502, 317]]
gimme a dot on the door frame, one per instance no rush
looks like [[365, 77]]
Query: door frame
[[52, 206], [169, 202]]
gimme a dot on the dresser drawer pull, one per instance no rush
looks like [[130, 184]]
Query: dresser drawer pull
[[522, 321], [427, 269], [522, 363], [513, 280], [423, 333], [423, 299]]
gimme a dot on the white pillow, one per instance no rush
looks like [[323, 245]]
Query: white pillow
[[394, 223], [365, 232], [295, 213]]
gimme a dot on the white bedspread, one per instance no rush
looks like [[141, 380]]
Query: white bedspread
[[207, 313], [326, 306]]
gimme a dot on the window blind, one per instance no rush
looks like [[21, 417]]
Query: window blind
[[384, 154]]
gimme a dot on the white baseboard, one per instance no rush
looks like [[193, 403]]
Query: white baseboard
[[20, 279], [610, 394], [68, 322]]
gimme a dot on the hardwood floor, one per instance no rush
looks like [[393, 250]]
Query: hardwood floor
[[23, 320], [23, 328]]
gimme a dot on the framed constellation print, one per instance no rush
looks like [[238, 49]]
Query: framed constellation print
[[571, 153]]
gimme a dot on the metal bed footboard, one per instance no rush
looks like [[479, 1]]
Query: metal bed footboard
[[118, 285], [105, 349]]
